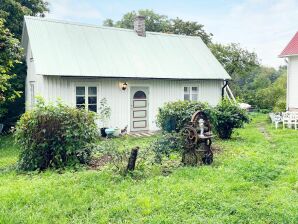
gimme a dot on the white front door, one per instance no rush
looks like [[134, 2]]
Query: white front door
[[139, 108]]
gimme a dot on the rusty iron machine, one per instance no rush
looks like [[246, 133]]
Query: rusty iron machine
[[197, 140]]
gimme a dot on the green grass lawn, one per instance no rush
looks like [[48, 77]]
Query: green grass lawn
[[254, 179]]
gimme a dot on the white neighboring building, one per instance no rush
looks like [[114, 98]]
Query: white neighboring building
[[82, 64], [291, 53]]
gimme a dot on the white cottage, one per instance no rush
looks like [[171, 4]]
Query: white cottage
[[291, 53], [136, 71]]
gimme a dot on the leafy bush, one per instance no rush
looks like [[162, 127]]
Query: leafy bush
[[55, 136], [166, 144], [118, 154], [173, 116], [226, 117]]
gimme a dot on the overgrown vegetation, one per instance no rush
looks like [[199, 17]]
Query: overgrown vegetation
[[55, 136], [173, 116], [225, 117], [228, 116], [12, 66], [253, 180]]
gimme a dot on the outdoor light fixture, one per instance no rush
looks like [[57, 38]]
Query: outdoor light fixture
[[124, 86]]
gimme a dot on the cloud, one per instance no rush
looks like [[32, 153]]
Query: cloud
[[264, 26], [74, 10]]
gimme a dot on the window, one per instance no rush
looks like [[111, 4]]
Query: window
[[86, 97], [191, 93], [139, 95], [32, 94]]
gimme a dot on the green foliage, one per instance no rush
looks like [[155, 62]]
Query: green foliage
[[10, 55], [173, 116], [240, 64], [252, 180], [274, 96], [55, 136], [13, 12], [117, 154], [161, 23], [227, 117], [251, 82], [12, 74], [104, 111], [166, 144]]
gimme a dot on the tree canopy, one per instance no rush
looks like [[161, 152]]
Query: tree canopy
[[13, 68], [13, 12], [161, 23], [10, 55]]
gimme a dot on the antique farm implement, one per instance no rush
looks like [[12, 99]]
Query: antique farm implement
[[197, 140]]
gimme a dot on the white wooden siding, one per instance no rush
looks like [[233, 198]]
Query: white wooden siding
[[292, 91], [160, 92], [33, 78]]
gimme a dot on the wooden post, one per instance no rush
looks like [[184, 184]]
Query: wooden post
[[132, 159]]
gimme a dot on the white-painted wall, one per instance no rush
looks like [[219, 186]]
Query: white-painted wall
[[292, 90], [160, 91], [36, 80]]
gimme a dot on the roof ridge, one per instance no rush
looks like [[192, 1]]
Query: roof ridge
[[104, 27]]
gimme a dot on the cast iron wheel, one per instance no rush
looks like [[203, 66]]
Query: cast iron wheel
[[191, 137]]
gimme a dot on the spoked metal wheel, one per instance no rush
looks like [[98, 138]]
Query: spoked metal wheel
[[191, 137]]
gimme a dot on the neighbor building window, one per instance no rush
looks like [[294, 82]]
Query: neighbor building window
[[191, 93], [86, 97]]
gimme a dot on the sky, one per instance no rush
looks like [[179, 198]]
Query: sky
[[262, 26]]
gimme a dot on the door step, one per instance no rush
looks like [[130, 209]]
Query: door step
[[141, 134]]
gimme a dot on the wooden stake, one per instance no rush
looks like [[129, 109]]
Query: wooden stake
[[132, 159]]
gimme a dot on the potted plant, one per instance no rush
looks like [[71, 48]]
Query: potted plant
[[105, 115]]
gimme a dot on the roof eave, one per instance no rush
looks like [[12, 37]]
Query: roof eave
[[287, 55]]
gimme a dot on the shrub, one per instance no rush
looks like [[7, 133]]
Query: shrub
[[173, 116], [118, 154], [55, 136], [165, 145], [226, 117]]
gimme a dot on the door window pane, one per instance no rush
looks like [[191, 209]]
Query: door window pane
[[139, 95]]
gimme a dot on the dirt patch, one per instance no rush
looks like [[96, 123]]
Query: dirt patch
[[97, 163], [263, 130]]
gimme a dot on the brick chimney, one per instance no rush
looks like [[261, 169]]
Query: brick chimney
[[139, 26]]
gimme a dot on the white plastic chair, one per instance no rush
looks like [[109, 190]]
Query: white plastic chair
[[296, 121], [277, 119], [286, 120]]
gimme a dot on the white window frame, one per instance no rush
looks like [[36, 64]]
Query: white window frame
[[191, 93], [86, 86], [32, 93]]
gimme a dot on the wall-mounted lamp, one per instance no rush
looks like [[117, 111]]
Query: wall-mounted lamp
[[124, 86]]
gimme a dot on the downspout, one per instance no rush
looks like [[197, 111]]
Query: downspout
[[223, 89]]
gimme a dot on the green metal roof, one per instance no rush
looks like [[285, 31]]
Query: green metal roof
[[72, 49]]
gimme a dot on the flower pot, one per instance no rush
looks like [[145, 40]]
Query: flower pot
[[103, 132], [110, 131], [116, 132]]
